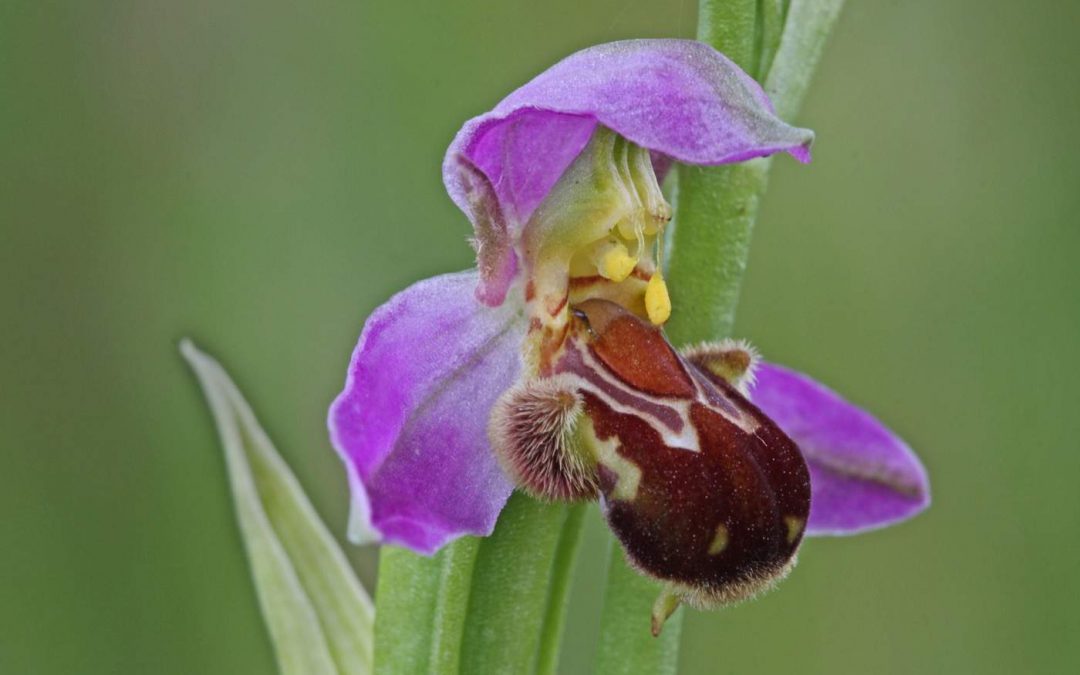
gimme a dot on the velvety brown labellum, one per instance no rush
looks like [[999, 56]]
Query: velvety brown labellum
[[702, 489]]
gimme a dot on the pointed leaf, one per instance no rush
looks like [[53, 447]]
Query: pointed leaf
[[319, 616]]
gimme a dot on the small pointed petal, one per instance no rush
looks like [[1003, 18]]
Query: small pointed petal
[[734, 361], [681, 99], [666, 603], [862, 475], [411, 424]]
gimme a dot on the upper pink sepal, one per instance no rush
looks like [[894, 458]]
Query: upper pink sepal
[[681, 99]]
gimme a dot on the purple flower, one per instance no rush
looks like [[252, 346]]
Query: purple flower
[[546, 368]]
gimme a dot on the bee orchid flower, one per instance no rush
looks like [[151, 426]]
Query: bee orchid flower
[[547, 369]]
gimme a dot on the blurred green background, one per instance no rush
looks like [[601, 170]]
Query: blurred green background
[[260, 175]]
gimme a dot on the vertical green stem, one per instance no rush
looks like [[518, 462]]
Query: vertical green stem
[[492, 605], [547, 657], [512, 587], [455, 587], [714, 219], [718, 205], [779, 42], [627, 646], [405, 606], [715, 211], [731, 27]]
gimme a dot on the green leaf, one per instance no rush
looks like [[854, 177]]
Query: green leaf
[[770, 28], [491, 605], [806, 30], [422, 603], [627, 646], [319, 617], [512, 587], [562, 572]]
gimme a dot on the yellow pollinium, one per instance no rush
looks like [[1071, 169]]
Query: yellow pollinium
[[613, 261], [657, 300]]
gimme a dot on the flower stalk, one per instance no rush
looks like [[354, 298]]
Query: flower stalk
[[495, 604]]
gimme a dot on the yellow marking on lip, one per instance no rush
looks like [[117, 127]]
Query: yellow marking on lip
[[720, 540], [794, 527], [627, 474]]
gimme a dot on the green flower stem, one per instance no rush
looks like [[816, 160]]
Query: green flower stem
[[717, 206], [779, 42], [627, 646], [547, 657], [714, 218], [746, 31], [512, 589], [413, 611], [492, 605]]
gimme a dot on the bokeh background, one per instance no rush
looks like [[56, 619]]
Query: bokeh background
[[260, 175]]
